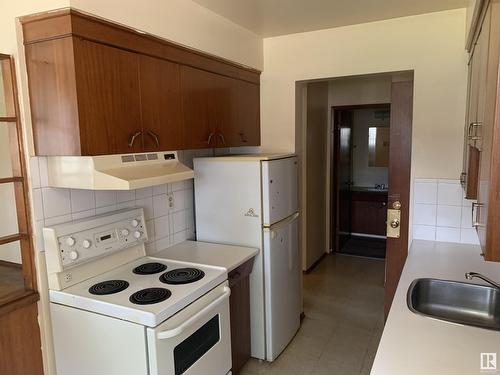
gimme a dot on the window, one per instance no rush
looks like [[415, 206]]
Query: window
[[17, 270]]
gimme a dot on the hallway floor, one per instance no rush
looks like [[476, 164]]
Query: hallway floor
[[344, 318]]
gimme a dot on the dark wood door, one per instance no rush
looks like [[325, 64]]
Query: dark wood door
[[198, 92], [162, 122], [108, 98], [399, 182], [368, 212], [343, 136]]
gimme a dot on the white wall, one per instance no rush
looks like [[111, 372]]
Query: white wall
[[184, 22], [432, 45], [316, 161]]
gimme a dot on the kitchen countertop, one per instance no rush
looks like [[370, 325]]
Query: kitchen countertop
[[227, 256], [415, 345]]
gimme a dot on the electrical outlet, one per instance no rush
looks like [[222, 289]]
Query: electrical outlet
[[170, 198]]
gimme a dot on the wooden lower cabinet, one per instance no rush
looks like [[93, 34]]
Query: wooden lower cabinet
[[20, 347], [368, 213], [239, 305]]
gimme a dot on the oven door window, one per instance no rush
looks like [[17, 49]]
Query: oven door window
[[196, 345]]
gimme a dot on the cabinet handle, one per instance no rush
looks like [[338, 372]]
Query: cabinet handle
[[243, 138], [133, 137], [471, 131], [210, 136], [462, 178], [475, 222], [155, 137], [221, 136]]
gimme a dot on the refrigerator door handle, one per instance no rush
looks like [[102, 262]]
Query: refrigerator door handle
[[281, 224]]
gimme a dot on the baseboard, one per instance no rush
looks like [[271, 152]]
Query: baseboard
[[314, 264], [10, 264]]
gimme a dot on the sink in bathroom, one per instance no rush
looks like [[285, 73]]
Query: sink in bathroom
[[456, 302]]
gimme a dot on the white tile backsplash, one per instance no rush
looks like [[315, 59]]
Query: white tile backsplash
[[165, 225], [82, 200], [449, 216], [424, 232], [56, 202], [450, 194], [441, 213], [105, 198], [448, 234], [425, 192], [424, 214]]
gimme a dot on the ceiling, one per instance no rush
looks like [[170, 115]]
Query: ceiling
[[279, 17]]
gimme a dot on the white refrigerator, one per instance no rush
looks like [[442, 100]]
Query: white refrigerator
[[251, 200]]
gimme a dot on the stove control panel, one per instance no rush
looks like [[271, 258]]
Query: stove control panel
[[81, 241]]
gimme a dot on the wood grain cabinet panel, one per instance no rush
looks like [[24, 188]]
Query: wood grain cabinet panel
[[94, 84], [198, 91], [109, 102], [368, 213], [161, 104]]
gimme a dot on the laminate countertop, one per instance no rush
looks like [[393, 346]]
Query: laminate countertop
[[212, 254], [415, 345]]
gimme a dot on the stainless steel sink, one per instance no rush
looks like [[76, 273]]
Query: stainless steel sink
[[457, 302]]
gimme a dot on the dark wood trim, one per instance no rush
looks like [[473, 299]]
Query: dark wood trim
[[8, 119], [18, 300], [71, 22], [310, 269], [13, 238], [6, 263], [399, 183], [362, 106], [11, 179]]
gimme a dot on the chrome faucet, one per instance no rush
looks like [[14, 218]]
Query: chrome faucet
[[471, 275]]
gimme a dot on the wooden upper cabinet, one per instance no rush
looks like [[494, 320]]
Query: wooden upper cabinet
[[109, 101], [162, 122], [100, 88], [199, 103], [487, 212]]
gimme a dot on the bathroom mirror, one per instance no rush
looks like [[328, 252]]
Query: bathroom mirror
[[378, 146]]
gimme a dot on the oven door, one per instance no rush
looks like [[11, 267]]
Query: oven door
[[196, 340]]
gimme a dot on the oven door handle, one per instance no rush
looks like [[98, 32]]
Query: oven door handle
[[182, 327]]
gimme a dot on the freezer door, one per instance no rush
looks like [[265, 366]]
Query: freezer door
[[282, 285], [279, 189]]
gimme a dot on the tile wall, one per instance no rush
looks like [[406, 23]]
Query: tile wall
[[166, 225], [441, 213]]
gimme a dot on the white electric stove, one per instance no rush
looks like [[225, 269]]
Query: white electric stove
[[116, 311]]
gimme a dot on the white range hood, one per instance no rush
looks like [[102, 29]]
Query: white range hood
[[116, 172]]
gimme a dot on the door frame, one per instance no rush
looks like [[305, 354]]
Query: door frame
[[333, 167]]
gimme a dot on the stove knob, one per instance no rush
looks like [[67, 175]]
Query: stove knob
[[86, 244], [135, 223], [73, 255], [125, 232], [70, 241], [137, 234]]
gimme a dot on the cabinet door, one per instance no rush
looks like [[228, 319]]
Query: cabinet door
[[108, 98], [245, 129], [162, 123], [226, 99], [487, 213], [198, 92]]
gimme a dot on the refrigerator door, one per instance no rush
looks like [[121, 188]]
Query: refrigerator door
[[282, 285], [279, 189], [228, 211]]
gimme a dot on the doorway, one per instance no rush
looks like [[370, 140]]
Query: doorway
[[390, 97], [359, 179]]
